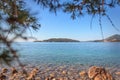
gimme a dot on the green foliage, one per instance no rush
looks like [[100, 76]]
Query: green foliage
[[79, 7], [93, 7], [53, 5], [6, 57], [17, 20]]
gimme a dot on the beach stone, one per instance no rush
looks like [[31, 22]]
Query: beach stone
[[4, 70], [14, 71], [92, 72], [98, 77], [109, 76], [34, 71], [103, 77], [64, 72], [52, 75], [60, 78], [32, 74], [37, 78], [79, 79], [2, 76], [65, 78], [53, 79], [83, 73], [47, 78], [117, 73], [30, 77], [99, 73]]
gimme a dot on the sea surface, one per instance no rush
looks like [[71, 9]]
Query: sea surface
[[69, 53]]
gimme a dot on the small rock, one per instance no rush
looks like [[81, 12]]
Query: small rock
[[47, 78], [63, 72], [117, 73], [53, 79], [65, 78], [98, 77], [32, 74], [92, 72], [14, 71], [52, 75], [60, 78], [4, 70], [2, 76], [82, 73], [37, 78], [109, 76]]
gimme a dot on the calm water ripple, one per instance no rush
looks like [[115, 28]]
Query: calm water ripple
[[85, 53]]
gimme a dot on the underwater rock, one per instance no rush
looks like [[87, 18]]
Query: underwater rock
[[99, 73]]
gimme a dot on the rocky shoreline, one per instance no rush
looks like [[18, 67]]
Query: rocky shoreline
[[63, 72]]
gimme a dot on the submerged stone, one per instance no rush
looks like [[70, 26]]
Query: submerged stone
[[117, 73], [83, 73], [4, 70], [99, 73]]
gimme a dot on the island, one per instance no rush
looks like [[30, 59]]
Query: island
[[113, 38], [58, 40]]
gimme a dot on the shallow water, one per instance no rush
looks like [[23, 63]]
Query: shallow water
[[71, 53]]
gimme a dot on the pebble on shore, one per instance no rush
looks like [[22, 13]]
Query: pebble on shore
[[57, 73], [83, 73], [117, 73]]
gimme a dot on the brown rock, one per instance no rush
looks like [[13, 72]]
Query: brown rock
[[92, 72], [98, 73], [53, 79], [37, 78], [47, 78], [82, 73], [103, 77], [34, 71], [60, 78], [65, 78], [2, 76], [117, 73], [52, 75], [4, 70], [14, 71], [32, 74], [98, 77], [29, 78], [64, 72]]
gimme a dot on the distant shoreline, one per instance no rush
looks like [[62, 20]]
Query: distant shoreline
[[113, 38], [78, 42], [58, 40]]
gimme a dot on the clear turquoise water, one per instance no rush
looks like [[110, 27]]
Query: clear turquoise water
[[85, 53]]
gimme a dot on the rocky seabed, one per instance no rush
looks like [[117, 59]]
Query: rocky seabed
[[59, 73]]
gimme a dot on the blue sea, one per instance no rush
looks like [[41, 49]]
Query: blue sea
[[69, 53]]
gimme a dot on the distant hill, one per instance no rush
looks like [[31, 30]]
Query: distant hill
[[59, 40], [113, 38]]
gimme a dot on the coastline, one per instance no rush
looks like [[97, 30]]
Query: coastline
[[54, 72], [56, 61]]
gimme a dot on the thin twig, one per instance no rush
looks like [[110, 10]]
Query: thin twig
[[101, 27], [113, 25], [91, 21]]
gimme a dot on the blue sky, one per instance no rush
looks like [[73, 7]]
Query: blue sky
[[62, 26]]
